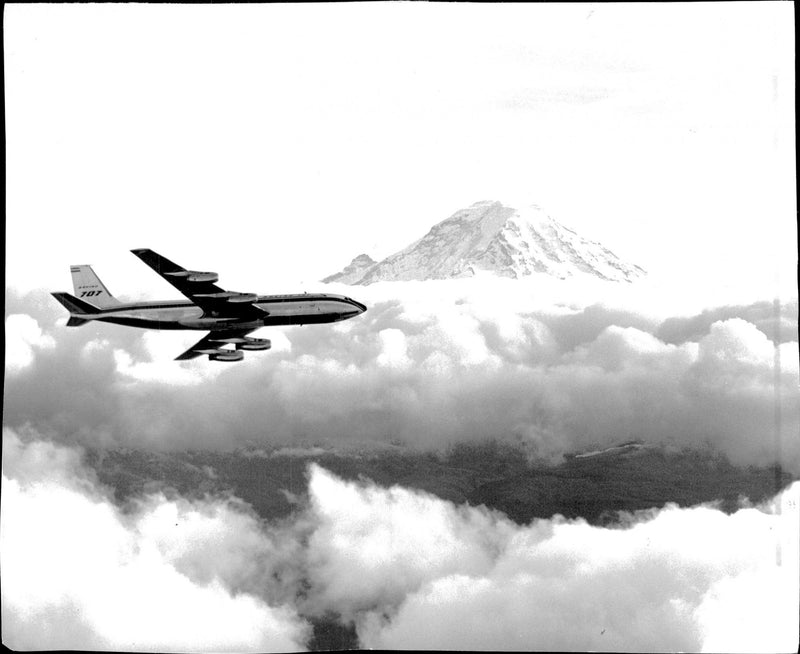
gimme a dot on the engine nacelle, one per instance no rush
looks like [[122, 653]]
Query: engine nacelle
[[254, 344], [226, 355], [245, 342], [221, 354], [195, 275]]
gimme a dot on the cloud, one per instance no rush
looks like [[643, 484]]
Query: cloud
[[539, 98], [421, 573], [418, 572], [78, 573], [408, 569], [776, 322], [372, 546], [23, 338], [671, 581], [434, 364]]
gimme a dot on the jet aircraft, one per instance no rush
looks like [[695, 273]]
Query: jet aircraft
[[228, 316]]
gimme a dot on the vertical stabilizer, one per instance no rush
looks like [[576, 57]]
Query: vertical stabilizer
[[89, 287]]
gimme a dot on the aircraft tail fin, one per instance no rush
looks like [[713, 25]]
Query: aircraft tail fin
[[88, 285], [80, 311]]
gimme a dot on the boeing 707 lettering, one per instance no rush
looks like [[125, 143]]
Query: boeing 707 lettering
[[228, 316]]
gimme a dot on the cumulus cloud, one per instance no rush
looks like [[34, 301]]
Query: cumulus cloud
[[432, 364], [777, 320], [664, 583], [408, 569], [372, 546], [418, 572], [23, 338], [78, 573]]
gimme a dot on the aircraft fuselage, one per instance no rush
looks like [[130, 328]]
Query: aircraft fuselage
[[300, 309]]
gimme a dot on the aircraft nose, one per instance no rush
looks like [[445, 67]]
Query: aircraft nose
[[362, 308]]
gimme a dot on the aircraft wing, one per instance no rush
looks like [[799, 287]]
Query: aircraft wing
[[200, 288], [212, 345]]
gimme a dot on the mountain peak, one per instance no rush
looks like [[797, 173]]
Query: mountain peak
[[491, 236], [353, 271]]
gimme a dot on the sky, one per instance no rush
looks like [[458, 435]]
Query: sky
[[272, 144], [275, 143]]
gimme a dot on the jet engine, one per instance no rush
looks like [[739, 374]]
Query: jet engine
[[221, 354], [226, 355], [246, 342], [254, 344], [195, 275]]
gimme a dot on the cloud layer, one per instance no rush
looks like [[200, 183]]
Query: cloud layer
[[78, 573], [431, 365], [671, 581], [408, 569]]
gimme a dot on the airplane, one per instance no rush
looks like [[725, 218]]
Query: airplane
[[228, 316]]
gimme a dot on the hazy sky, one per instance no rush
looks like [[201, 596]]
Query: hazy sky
[[273, 143]]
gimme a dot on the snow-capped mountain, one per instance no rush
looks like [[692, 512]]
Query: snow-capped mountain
[[353, 271], [489, 236]]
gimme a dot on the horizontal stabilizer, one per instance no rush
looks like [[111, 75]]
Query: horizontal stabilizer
[[75, 305], [74, 321]]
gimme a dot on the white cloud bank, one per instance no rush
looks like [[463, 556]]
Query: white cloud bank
[[23, 337], [558, 367], [411, 570], [78, 573], [670, 582]]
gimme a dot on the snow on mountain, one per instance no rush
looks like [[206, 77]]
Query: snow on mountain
[[489, 236], [353, 271]]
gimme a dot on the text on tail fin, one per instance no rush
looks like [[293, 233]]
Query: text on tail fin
[[88, 286]]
